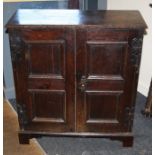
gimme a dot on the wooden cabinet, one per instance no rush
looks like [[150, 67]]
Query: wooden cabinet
[[76, 72]]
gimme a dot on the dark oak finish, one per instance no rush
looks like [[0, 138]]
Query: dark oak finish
[[76, 72], [49, 18]]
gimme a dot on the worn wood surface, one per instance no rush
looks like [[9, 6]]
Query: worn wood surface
[[49, 18]]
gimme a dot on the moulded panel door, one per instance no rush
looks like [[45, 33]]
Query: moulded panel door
[[102, 66], [48, 68]]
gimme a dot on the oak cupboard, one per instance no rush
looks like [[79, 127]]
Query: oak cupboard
[[76, 72]]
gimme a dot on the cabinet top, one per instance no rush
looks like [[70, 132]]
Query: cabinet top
[[49, 17]]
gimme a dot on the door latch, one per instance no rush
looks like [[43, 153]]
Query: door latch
[[82, 84]]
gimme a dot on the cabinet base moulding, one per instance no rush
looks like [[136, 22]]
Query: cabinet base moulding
[[125, 138]]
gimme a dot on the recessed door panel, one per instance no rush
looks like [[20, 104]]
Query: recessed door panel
[[46, 57], [105, 58], [98, 105], [48, 106]]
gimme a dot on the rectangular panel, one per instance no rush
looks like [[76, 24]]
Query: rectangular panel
[[111, 83], [48, 106], [102, 107], [46, 57], [105, 58], [46, 82], [101, 34]]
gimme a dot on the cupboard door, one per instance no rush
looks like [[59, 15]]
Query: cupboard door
[[102, 68], [48, 58]]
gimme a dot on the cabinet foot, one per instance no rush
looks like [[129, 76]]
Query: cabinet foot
[[128, 142], [23, 139]]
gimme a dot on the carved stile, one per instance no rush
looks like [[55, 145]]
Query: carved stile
[[16, 48], [136, 46], [129, 116], [23, 120]]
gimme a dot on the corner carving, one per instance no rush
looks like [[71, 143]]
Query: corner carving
[[16, 48], [22, 116], [136, 45], [129, 116]]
